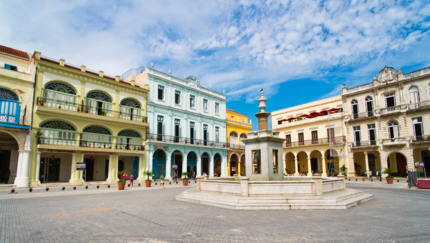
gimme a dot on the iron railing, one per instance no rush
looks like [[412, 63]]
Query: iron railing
[[421, 138], [364, 143], [332, 141], [82, 108], [392, 109], [363, 115], [422, 104], [88, 144], [185, 140]]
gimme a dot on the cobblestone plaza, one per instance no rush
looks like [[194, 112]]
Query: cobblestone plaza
[[397, 214]]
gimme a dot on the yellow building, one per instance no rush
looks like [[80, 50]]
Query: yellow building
[[237, 128], [16, 102], [84, 116], [314, 137]]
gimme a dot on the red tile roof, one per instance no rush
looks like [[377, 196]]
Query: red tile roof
[[14, 52]]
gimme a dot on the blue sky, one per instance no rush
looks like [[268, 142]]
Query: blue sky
[[298, 51]]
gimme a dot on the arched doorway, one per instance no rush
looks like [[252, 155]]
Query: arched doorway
[[205, 163], [316, 162], [332, 162], [302, 161], [398, 162], [130, 110], [99, 103], [176, 160], [192, 163], [159, 163], [290, 166], [242, 166], [234, 140], [217, 165], [234, 160], [59, 95], [8, 158]]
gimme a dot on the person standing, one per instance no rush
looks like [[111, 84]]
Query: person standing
[[377, 175], [193, 174], [175, 177], [6, 176], [380, 176], [161, 180], [124, 176], [370, 174], [131, 179]]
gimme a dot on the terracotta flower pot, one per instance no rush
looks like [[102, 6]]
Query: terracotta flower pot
[[185, 182], [121, 185], [389, 180], [148, 183]]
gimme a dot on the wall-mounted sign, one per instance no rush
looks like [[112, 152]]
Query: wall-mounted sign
[[81, 166], [419, 165], [174, 167]]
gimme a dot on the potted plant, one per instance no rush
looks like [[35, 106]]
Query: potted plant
[[185, 179], [148, 181], [59, 107], [87, 110], [79, 110], [389, 178], [84, 143], [41, 102], [121, 184], [343, 170], [186, 140]]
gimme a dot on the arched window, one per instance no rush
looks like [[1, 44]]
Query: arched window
[[9, 106], [97, 137], [354, 104], [393, 129], [369, 106], [99, 103], [129, 139], [130, 110], [57, 132], [243, 135], [59, 95], [414, 97], [234, 140]]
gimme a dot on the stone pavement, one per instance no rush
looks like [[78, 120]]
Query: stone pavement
[[153, 215]]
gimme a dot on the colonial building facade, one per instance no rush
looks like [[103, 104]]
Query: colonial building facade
[[388, 122], [16, 102], [238, 128], [314, 137], [85, 116], [187, 125]]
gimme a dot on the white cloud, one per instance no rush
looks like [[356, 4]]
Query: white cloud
[[233, 45]]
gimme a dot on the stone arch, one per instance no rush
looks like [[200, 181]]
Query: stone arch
[[192, 151], [20, 142], [130, 133], [232, 155], [131, 102], [400, 161], [243, 135], [57, 124], [233, 134], [289, 159], [61, 86], [242, 158], [99, 95], [8, 94], [63, 120]]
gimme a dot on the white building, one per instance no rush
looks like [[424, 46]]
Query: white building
[[187, 125]]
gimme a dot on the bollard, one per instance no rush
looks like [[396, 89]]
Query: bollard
[[47, 189], [63, 188], [30, 189], [98, 186], [74, 188], [86, 187], [108, 186], [12, 190]]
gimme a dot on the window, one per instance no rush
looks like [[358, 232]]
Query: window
[[192, 132], [216, 108], [354, 104], [418, 128], [10, 67], [243, 120], [280, 122], [393, 130], [232, 117], [275, 161], [369, 106], [414, 97], [205, 104], [160, 128], [314, 137], [372, 134], [177, 97], [288, 140], [301, 139], [192, 101], [256, 161], [177, 130], [330, 133], [390, 100], [217, 134], [160, 155], [160, 92], [205, 134], [357, 137]]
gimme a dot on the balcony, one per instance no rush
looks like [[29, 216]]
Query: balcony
[[134, 115], [235, 146], [358, 88], [361, 144], [336, 141], [88, 144], [419, 106], [394, 142], [184, 141], [239, 123], [391, 110], [421, 139], [9, 111], [361, 116]]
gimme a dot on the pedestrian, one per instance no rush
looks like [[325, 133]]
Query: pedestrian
[[161, 180], [193, 174], [6, 176], [175, 177], [42, 178], [124, 176], [377, 175], [370, 174], [131, 179], [380, 176]]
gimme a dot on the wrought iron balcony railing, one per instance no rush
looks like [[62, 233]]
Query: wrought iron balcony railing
[[336, 141], [184, 140], [82, 108], [422, 138], [362, 115], [392, 109], [88, 144], [364, 143], [419, 105]]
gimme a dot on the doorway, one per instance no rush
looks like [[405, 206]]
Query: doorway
[[89, 171], [52, 173], [372, 163], [314, 164], [401, 165], [178, 161], [205, 165], [4, 164]]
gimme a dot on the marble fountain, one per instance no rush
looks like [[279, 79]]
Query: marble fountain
[[267, 188]]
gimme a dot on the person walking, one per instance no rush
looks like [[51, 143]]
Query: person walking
[[124, 176], [131, 179], [370, 174], [175, 177], [161, 180], [6, 176], [377, 175], [193, 174], [380, 176]]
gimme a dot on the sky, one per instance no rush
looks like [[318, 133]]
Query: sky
[[297, 51]]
